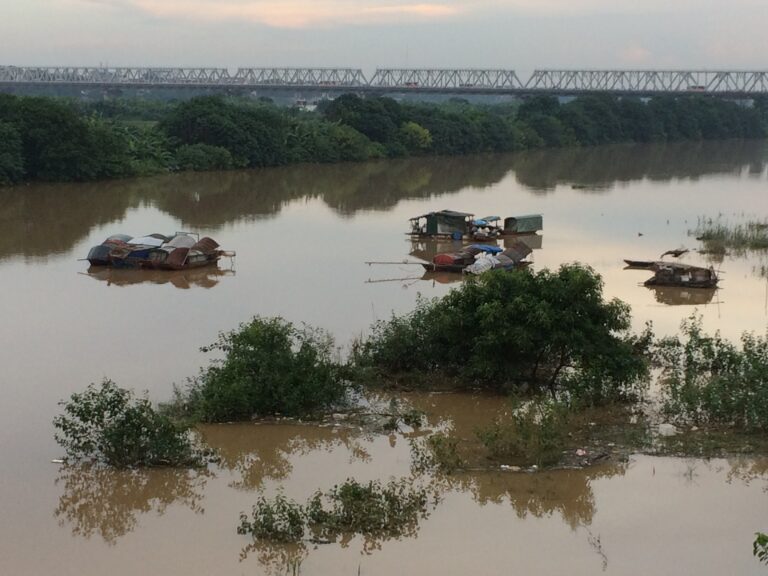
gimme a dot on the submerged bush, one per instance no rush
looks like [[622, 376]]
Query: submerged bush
[[269, 367], [278, 520], [371, 509], [760, 547], [532, 433], [109, 424], [518, 330], [437, 452], [709, 380]]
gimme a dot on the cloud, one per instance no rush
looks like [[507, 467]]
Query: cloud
[[290, 13], [635, 55], [332, 13]]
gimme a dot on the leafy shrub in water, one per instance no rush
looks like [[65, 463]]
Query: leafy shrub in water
[[533, 433], [269, 367], [514, 330], [370, 509], [760, 547], [279, 520], [437, 452], [709, 380], [110, 424]]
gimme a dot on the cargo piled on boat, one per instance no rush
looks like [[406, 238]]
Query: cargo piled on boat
[[181, 251], [479, 258]]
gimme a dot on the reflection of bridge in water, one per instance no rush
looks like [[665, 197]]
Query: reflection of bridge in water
[[334, 81]]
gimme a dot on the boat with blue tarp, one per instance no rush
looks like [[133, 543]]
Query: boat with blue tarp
[[478, 258]]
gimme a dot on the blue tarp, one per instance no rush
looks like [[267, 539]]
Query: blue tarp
[[489, 249]]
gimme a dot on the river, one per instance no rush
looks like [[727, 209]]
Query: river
[[302, 236]]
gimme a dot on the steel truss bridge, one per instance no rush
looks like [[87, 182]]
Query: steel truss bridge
[[735, 84]]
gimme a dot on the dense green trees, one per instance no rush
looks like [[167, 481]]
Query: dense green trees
[[253, 134], [59, 140], [11, 156], [517, 331], [270, 367]]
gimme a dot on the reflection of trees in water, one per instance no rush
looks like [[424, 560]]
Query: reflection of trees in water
[[599, 168], [105, 501], [748, 470], [43, 219], [564, 492], [264, 452], [212, 200], [276, 558]]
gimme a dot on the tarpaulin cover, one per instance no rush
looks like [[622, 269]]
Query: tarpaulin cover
[[146, 241]]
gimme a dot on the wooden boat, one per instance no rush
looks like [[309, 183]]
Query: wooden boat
[[182, 251], [639, 264], [675, 274], [683, 275]]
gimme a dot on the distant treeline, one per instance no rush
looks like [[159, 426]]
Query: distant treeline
[[63, 140]]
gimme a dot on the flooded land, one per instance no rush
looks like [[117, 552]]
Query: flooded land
[[303, 235]]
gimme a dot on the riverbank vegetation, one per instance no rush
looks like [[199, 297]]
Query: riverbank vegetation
[[62, 140]]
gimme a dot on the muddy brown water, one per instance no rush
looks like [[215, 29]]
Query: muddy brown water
[[302, 235]]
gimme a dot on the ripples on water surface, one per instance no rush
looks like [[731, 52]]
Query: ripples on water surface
[[302, 235]]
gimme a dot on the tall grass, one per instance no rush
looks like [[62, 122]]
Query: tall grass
[[719, 236]]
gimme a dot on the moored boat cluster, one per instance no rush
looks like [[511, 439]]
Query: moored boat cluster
[[180, 251]]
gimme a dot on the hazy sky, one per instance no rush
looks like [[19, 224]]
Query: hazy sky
[[516, 34]]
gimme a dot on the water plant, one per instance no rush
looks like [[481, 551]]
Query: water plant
[[718, 235], [110, 424]]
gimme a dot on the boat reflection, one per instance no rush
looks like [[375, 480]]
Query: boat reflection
[[681, 296], [205, 277]]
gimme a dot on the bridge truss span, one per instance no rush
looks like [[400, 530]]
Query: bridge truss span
[[649, 81], [320, 77], [724, 83], [113, 76], [446, 79]]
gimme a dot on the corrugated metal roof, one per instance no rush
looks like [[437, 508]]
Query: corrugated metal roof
[[206, 245]]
